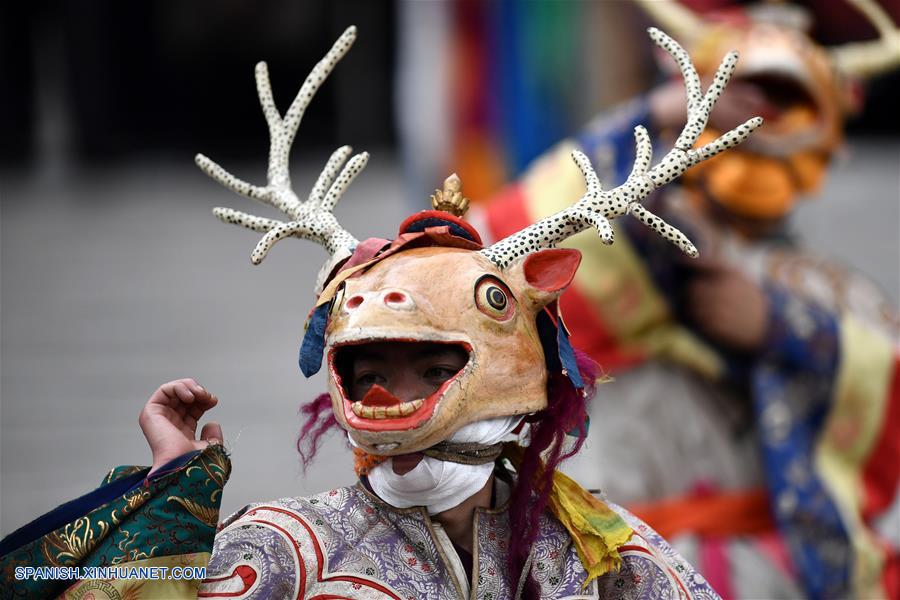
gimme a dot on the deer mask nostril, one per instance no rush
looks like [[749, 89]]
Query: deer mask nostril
[[354, 302], [394, 298]]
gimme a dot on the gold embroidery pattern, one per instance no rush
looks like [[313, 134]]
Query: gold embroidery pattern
[[132, 502], [78, 539], [74, 542], [204, 514], [131, 554], [121, 472], [217, 468]]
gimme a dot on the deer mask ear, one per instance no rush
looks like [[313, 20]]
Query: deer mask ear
[[545, 274]]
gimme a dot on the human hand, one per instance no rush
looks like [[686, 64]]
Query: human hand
[[727, 306], [169, 420]]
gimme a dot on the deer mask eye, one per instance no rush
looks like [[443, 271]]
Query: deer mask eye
[[493, 298]]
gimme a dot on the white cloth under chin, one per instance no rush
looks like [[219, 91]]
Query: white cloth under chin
[[440, 485]]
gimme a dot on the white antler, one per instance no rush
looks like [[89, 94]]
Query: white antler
[[596, 207], [312, 219]]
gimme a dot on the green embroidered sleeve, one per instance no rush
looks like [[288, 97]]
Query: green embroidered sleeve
[[167, 522]]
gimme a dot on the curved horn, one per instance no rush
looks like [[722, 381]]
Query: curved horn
[[674, 17], [867, 59]]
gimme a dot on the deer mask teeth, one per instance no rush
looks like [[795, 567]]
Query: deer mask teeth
[[379, 411], [386, 412]]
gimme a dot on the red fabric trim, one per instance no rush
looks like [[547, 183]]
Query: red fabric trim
[[319, 555], [642, 550], [287, 534], [320, 558], [881, 474], [248, 577]]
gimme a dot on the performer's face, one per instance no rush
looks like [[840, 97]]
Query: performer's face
[[408, 371]]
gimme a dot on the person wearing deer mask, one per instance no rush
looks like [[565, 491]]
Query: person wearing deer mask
[[754, 415], [442, 354]]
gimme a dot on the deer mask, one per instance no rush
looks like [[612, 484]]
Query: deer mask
[[808, 85], [436, 282]]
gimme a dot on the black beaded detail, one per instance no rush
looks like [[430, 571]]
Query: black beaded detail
[[597, 207]]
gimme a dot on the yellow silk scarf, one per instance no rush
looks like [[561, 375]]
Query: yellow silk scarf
[[596, 530]]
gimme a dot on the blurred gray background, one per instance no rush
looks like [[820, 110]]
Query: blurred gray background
[[115, 277]]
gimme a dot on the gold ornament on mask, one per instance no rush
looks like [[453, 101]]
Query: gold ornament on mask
[[451, 199]]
